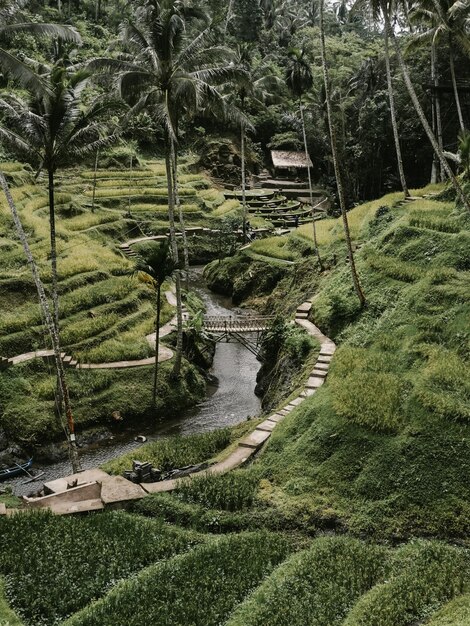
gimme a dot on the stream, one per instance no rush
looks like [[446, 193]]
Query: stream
[[230, 399]]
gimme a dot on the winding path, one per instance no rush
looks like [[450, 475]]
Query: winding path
[[95, 489]]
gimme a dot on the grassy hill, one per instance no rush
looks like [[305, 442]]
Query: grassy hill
[[377, 457]]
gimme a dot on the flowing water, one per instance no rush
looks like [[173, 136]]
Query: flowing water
[[230, 400]]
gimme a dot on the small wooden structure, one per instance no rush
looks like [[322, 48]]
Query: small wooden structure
[[289, 163]]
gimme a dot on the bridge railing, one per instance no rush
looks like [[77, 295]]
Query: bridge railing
[[237, 324]]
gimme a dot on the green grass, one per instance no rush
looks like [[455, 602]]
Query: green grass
[[88, 555], [172, 452], [315, 587], [7, 616], [228, 492], [454, 613], [199, 588], [423, 576]]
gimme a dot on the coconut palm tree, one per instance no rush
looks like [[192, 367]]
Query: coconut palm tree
[[299, 79], [256, 86], [50, 129], [51, 327], [444, 21], [422, 117], [172, 75], [334, 151], [153, 266], [11, 25]]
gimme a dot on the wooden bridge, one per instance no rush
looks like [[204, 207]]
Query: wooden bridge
[[246, 330]]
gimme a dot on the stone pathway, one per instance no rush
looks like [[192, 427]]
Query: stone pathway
[[94, 490]]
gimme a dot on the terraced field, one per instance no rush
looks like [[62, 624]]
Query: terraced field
[[105, 312]]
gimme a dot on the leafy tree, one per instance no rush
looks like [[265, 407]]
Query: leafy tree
[[11, 26], [419, 110], [153, 266], [248, 19], [338, 173], [299, 79]]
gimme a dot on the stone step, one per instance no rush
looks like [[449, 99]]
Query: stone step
[[255, 439], [314, 382], [308, 392], [324, 367], [324, 358], [304, 308], [267, 425], [3, 509], [301, 315], [319, 373]]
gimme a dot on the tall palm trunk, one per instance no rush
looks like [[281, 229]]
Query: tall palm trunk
[[179, 210], [393, 114], [307, 158], [51, 327], [243, 174], [94, 181], [334, 151], [414, 98], [437, 105], [228, 15], [169, 155], [54, 280], [157, 343], [454, 84]]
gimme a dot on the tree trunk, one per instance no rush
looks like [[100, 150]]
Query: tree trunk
[[157, 344], [51, 327], [435, 168], [94, 182], [180, 217], [307, 157], [334, 151], [409, 85], [454, 84], [437, 101], [174, 250], [243, 173], [54, 281], [393, 114]]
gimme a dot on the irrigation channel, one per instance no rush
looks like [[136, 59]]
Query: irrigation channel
[[230, 400]]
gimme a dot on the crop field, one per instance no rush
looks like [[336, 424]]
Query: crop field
[[105, 312]]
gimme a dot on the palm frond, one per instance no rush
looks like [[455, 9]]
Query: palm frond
[[65, 33], [26, 77]]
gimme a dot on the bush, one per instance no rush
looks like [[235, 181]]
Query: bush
[[200, 588]]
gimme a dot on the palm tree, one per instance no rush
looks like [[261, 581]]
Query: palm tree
[[153, 266], [172, 76], [51, 326], [334, 151], [419, 110], [9, 26], [52, 128], [446, 21], [299, 79], [393, 114], [256, 86]]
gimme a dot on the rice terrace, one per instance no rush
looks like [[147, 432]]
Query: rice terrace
[[234, 313]]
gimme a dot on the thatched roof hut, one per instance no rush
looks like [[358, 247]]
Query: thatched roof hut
[[287, 160]]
